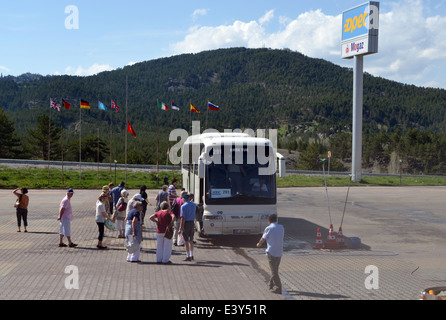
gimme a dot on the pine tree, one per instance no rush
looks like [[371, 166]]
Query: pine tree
[[10, 144]]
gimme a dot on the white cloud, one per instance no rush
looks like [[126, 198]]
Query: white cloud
[[240, 33], [312, 33], [199, 12], [432, 84], [92, 70], [3, 68], [411, 43], [267, 17]]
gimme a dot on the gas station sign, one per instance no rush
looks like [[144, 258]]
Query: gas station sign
[[360, 27]]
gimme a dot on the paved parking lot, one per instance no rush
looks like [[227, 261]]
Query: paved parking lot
[[402, 231]]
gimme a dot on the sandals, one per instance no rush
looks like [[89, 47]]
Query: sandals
[[71, 245]]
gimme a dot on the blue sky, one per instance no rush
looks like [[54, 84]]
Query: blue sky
[[112, 34]]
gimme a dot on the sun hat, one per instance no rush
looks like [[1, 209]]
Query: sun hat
[[138, 197]]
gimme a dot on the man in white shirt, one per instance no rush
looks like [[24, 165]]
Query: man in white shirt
[[273, 236]]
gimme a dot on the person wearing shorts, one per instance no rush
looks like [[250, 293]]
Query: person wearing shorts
[[22, 207], [187, 217], [65, 217]]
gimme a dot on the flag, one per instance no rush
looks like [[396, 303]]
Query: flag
[[130, 129], [212, 106], [192, 108], [54, 105], [85, 104], [162, 106], [175, 107], [114, 106], [329, 154], [67, 105], [102, 106]]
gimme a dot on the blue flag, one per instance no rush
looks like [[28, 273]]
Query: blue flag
[[102, 106]]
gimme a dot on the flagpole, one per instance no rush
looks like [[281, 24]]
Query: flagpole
[[49, 143], [171, 121], [157, 144], [207, 114], [190, 117], [98, 156], [126, 120], [171, 113], [61, 138], [97, 160], [80, 144], [111, 139]]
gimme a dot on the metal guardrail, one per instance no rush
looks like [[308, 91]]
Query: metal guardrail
[[86, 164], [365, 174], [164, 167]]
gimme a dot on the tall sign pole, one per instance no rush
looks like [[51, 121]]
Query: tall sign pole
[[360, 29], [358, 89]]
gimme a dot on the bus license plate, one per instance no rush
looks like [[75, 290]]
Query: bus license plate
[[241, 231]]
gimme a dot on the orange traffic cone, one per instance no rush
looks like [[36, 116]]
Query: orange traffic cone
[[331, 239], [318, 244], [340, 239]]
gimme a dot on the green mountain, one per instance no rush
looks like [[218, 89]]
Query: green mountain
[[255, 88]]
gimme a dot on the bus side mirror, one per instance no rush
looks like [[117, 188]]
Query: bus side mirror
[[201, 167], [282, 165]]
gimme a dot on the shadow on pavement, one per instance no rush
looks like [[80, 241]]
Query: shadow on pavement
[[297, 232]]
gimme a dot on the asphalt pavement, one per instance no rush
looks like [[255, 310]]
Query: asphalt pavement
[[402, 232]]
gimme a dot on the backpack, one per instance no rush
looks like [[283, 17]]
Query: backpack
[[175, 208]]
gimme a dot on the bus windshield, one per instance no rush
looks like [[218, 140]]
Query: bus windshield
[[239, 184]]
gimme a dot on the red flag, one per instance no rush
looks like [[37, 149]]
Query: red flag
[[67, 105], [130, 129]]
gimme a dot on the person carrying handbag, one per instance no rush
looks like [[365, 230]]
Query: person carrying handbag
[[120, 213], [164, 220]]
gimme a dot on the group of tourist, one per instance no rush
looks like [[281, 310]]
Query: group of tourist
[[171, 212], [115, 210]]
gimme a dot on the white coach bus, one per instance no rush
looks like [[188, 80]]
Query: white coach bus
[[233, 175]]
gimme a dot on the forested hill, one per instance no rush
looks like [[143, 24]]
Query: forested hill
[[255, 88]]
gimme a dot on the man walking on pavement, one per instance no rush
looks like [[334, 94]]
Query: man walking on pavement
[[187, 226], [273, 236], [116, 193]]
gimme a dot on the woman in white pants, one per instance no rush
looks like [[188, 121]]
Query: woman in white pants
[[163, 219], [120, 213], [133, 230]]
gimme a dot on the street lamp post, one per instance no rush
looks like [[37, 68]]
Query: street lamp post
[[115, 170]]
